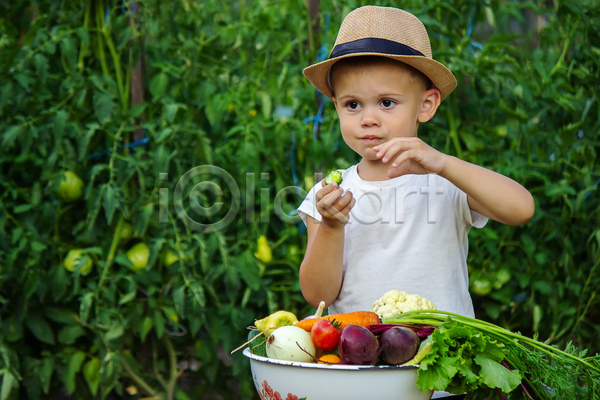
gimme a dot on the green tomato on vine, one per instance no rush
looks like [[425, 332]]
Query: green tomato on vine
[[70, 187], [78, 260], [127, 232], [138, 254], [481, 286]]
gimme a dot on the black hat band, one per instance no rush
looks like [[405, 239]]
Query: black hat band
[[374, 45]]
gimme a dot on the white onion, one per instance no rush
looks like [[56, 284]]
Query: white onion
[[288, 343]]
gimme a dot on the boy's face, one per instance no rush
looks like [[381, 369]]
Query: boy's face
[[377, 103]]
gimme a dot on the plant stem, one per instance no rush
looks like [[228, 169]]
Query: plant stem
[[112, 250], [117, 64], [86, 26], [174, 373], [136, 378], [99, 25]]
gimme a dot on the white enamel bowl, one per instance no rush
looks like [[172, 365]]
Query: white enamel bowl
[[291, 380]]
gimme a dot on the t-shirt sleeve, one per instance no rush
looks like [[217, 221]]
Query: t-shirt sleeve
[[478, 220], [472, 218], [308, 205]]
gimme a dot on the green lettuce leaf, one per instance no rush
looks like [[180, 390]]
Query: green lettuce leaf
[[462, 360]]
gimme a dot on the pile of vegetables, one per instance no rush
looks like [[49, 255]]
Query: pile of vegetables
[[454, 353]]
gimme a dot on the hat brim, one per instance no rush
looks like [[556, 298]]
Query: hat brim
[[440, 76]]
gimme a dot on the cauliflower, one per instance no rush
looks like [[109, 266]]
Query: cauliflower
[[395, 302]]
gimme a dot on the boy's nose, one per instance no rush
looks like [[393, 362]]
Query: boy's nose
[[369, 117]]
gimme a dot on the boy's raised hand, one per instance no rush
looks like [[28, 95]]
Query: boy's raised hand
[[409, 155], [334, 205]]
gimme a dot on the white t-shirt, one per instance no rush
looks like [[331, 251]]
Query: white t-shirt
[[408, 233]]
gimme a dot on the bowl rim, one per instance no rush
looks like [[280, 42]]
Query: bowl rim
[[267, 360]]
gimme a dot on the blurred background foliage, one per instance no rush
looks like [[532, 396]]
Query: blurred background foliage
[[177, 115]]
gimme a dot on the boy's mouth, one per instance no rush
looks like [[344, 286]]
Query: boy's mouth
[[371, 139]]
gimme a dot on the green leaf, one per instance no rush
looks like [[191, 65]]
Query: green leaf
[[142, 219], [495, 375], [249, 270], [109, 203], [10, 135], [179, 300], [60, 123], [40, 328], [198, 293], [73, 367], [104, 106], [44, 373], [61, 315], [123, 260], [159, 324], [67, 47], [137, 110], [115, 331], [163, 133], [132, 287], [85, 307], [69, 334], [25, 81], [436, 374], [9, 382], [267, 104], [41, 67], [158, 84], [85, 139], [451, 364], [22, 208], [145, 327], [91, 373], [170, 111], [83, 35]]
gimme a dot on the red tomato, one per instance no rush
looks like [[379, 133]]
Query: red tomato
[[325, 335]]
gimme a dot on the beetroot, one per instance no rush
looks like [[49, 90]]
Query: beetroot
[[398, 345], [358, 346], [422, 331]]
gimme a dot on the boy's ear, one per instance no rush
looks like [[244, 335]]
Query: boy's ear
[[431, 101], [334, 102]]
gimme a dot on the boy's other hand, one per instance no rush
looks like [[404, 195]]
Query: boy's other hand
[[410, 155], [334, 205]]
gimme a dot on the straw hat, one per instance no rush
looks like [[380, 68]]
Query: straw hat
[[386, 32]]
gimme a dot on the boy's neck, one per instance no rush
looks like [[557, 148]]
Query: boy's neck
[[373, 170]]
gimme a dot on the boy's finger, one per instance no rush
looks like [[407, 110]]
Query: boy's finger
[[332, 197], [346, 209], [325, 190], [323, 184]]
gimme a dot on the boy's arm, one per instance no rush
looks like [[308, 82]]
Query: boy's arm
[[489, 193], [321, 270]]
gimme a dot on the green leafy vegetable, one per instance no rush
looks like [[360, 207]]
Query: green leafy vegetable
[[463, 359], [474, 356]]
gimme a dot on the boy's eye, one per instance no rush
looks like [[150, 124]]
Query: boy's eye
[[353, 105], [387, 103]]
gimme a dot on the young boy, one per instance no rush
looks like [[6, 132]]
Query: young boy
[[401, 216]]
